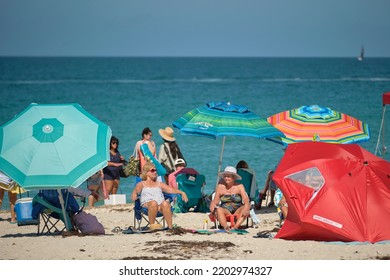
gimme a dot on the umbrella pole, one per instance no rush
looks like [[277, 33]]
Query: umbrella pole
[[380, 130], [220, 158], [61, 198]]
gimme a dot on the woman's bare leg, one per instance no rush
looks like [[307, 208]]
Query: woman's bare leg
[[109, 185], [12, 200], [221, 212], [152, 211], [165, 208], [115, 187], [240, 217], [1, 196]]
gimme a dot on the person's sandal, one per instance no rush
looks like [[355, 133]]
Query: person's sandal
[[116, 230], [129, 230]]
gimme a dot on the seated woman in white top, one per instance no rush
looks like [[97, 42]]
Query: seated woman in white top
[[152, 195]]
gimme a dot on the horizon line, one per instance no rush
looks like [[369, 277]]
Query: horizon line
[[179, 56]]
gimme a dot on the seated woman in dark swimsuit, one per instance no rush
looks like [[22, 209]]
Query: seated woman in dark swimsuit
[[231, 197]]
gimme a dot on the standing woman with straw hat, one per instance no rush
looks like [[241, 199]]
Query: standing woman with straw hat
[[169, 151]]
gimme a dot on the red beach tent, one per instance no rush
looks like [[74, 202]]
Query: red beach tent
[[335, 192]]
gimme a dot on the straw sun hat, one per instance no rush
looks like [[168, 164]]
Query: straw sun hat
[[230, 170], [167, 134]]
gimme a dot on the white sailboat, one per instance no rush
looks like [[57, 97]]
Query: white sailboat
[[361, 56]]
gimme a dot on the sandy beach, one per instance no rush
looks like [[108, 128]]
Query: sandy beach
[[22, 243]]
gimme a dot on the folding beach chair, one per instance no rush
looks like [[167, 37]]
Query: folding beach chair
[[246, 180], [192, 185], [230, 218], [141, 213], [47, 208]]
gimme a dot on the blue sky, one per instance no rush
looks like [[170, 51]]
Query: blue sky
[[264, 28]]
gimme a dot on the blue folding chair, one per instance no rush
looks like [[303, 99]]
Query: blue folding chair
[[141, 213]]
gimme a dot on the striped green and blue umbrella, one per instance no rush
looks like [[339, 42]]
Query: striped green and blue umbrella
[[53, 146], [322, 124], [221, 119]]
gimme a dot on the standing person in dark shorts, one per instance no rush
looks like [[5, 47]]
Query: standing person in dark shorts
[[112, 170]]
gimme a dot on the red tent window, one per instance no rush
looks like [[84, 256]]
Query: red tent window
[[310, 177]]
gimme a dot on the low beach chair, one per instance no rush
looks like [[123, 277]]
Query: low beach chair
[[230, 218], [141, 214], [46, 208], [246, 180], [192, 185]]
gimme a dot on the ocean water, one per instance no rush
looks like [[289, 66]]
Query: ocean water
[[132, 93]]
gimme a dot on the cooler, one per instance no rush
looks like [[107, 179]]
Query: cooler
[[114, 199], [23, 209]]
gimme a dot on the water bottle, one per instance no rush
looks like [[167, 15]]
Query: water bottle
[[205, 224]]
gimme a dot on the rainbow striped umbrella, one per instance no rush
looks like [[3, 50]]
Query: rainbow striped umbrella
[[316, 123], [221, 119]]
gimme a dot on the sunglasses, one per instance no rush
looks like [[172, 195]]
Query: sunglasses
[[114, 143], [153, 170]]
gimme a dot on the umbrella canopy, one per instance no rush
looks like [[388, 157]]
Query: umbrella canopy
[[50, 146], [224, 119], [335, 192], [316, 123]]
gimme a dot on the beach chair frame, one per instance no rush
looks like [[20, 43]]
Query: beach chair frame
[[52, 215], [141, 213]]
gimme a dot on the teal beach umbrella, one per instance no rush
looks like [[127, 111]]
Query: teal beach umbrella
[[53, 146], [221, 119]]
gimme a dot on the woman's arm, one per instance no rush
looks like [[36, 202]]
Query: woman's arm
[[137, 149], [245, 200], [264, 191], [167, 189], [116, 164], [136, 191], [217, 198], [152, 147]]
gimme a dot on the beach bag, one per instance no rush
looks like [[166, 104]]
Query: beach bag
[[88, 224], [131, 168], [123, 172], [203, 205]]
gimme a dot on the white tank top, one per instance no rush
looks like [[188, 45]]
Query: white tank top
[[151, 193]]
